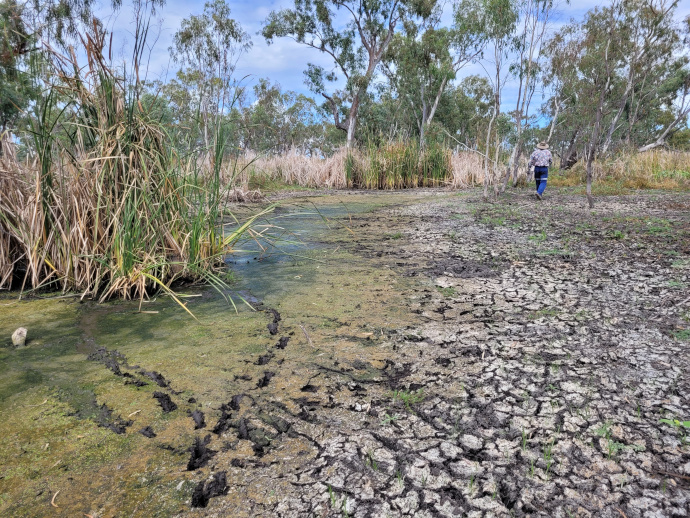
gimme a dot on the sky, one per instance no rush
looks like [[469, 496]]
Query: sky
[[285, 60]]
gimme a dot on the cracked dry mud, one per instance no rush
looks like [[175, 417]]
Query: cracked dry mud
[[551, 341], [463, 359]]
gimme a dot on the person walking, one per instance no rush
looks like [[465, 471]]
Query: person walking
[[541, 159]]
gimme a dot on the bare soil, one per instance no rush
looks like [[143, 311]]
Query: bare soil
[[463, 359], [551, 342]]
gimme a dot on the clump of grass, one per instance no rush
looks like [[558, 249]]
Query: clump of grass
[[107, 208], [448, 292], [409, 398], [626, 172]]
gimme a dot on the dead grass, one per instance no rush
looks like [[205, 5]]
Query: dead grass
[[656, 169]]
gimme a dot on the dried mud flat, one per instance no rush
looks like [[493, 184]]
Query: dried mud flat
[[442, 357], [549, 341]]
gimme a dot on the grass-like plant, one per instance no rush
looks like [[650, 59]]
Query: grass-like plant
[[107, 208]]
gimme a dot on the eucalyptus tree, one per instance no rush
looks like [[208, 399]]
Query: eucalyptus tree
[[424, 58], [207, 47], [535, 16], [16, 85], [499, 19], [588, 55], [651, 45], [356, 47]]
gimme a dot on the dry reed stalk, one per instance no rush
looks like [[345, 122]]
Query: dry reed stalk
[[468, 169]]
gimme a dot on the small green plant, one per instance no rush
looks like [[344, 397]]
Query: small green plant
[[408, 397], [538, 238], [548, 456], [400, 478], [387, 419], [680, 426], [372, 461], [448, 292], [616, 234], [676, 284], [396, 235], [531, 468], [683, 335], [524, 440], [471, 485], [546, 312], [612, 447]]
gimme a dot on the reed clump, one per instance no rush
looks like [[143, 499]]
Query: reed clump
[[104, 207], [395, 165], [655, 169]]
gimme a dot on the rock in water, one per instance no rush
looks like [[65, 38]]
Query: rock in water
[[19, 337]]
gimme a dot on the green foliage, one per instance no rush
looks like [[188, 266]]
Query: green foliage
[[408, 397], [17, 87]]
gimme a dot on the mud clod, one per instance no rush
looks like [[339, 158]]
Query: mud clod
[[204, 491], [111, 359], [273, 328], [235, 402], [156, 377], [199, 419], [147, 431], [106, 419], [283, 342], [201, 453], [167, 404], [243, 429], [266, 379], [264, 359]]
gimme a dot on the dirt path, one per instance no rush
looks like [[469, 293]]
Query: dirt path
[[552, 341]]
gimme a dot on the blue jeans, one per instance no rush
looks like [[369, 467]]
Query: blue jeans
[[540, 176]]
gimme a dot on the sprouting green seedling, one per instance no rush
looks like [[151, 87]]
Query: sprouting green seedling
[[524, 440], [680, 426], [409, 397], [548, 456], [400, 478], [343, 508], [424, 480], [448, 292], [471, 486], [387, 419], [331, 494], [676, 423], [682, 335], [531, 468], [538, 238], [372, 461]]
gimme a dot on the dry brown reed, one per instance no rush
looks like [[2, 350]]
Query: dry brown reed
[[292, 168], [104, 207], [655, 169]]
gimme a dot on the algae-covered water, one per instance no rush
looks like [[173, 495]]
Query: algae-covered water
[[74, 400]]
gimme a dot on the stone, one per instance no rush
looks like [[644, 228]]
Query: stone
[[19, 337]]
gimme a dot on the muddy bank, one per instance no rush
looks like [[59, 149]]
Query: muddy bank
[[433, 356]]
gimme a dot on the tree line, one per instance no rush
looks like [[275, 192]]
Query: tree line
[[616, 80]]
